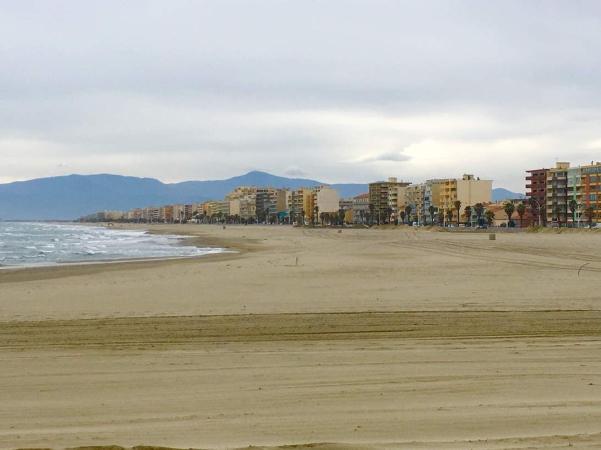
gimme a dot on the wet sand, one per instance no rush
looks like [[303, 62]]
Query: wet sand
[[360, 339]]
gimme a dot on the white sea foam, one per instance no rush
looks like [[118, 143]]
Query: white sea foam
[[31, 244]]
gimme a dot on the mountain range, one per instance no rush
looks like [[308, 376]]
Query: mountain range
[[72, 196]]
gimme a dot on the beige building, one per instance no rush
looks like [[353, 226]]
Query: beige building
[[242, 191], [415, 198], [244, 207], [282, 200], [179, 213], [468, 190], [326, 199]]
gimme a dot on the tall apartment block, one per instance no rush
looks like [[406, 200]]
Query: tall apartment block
[[557, 193], [469, 190], [563, 187], [386, 198], [536, 191], [589, 190]]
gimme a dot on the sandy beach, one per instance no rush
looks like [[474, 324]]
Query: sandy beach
[[370, 339]]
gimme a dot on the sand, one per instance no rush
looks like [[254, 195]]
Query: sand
[[370, 339]]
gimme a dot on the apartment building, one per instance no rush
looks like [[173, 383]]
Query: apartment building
[[361, 208], [566, 194], [386, 198], [589, 191], [345, 204], [282, 201], [266, 199], [326, 199], [166, 214], [536, 192], [302, 205], [557, 201], [469, 190], [151, 214], [179, 213], [415, 195]]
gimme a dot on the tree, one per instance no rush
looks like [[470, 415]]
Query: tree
[[432, 210], [490, 217], [468, 215], [479, 210], [440, 218], [449, 215], [573, 205], [316, 215], [509, 208], [557, 215], [403, 216], [371, 213], [457, 205], [341, 214], [535, 207], [388, 214], [590, 213], [408, 210], [521, 210]]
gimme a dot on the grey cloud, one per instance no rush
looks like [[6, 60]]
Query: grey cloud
[[115, 85], [295, 172], [387, 157]]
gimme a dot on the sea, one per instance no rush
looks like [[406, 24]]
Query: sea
[[25, 244]]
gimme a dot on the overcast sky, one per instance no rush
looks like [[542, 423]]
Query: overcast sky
[[340, 91]]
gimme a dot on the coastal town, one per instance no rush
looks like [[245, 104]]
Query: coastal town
[[562, 195]]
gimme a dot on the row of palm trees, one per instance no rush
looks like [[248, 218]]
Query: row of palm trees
[[538, 212], [437, 217]]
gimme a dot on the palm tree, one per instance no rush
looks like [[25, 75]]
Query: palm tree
[[535, 208], [408, 209], [432, 210], [468, 215], [573, 205], [509, 208], [521, 210], [589, 215], [490, 216], [449, 215], [479, 210], [457, 204]]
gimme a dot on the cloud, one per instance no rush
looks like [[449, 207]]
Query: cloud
[[386, 157], [295, 172], [187, 90]]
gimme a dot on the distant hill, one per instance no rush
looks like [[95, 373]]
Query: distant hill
[[73, 196], [500, 194]]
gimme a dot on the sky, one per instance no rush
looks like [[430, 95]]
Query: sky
[[339, 91]]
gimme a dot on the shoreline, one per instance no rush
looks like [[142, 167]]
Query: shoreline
[[54, 270]]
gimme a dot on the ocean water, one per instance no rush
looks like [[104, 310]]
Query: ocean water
[[38, 244]]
